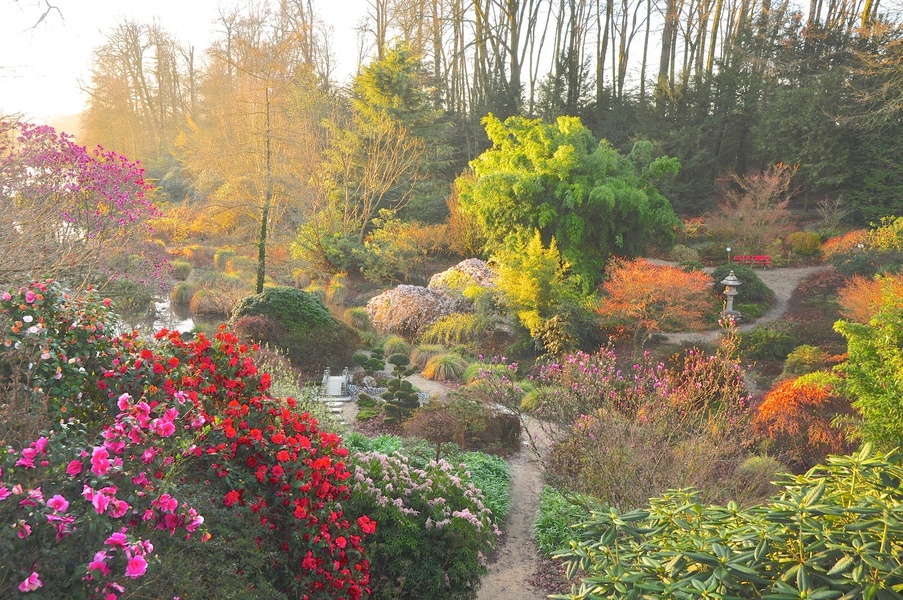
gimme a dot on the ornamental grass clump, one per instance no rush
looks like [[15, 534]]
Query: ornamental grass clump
[[831, 533], [434, 529], [448, 366]]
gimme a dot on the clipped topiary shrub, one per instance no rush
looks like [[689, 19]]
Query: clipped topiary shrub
[[313, 338]]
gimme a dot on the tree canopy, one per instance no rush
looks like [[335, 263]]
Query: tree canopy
[[555, 178]]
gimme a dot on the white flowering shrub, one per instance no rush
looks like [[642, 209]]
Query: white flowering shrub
[[434, 530], [459, 283], [407, 310]]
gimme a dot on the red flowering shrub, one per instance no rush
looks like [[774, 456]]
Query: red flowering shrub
[[171, 414]]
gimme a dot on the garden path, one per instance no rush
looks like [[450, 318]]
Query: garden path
[[783, 281]]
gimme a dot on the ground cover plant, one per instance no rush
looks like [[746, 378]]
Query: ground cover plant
[[126, 436]]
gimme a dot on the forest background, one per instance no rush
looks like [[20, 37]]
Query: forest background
[[256, 119]]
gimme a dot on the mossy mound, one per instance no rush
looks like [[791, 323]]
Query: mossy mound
[[311, 337]]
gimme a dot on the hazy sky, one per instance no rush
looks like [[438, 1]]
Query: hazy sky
[[41, 66]]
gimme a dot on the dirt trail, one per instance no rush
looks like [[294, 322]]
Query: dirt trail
[[781, 281], [516, 562]]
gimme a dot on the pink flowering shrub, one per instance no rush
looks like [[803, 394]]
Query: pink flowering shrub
[[73, 209], [53, 345], [622, 431], [86, 508], [435, 530]]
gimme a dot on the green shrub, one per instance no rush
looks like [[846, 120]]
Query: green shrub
[[766, 343], [313, 338], [396, 345], [181, 269], [830, 533], [445, 367], [804, 359], [691, 265], [360, 358], [557, 517], [752, 290], [366, 401], [681, 254], [804, 243], [751, 312]]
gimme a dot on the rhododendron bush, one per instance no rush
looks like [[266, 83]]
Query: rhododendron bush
[[84, 505], [67, 211]]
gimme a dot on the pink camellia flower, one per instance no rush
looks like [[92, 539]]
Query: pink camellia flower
[[30, 297], [74, 468], [99, 563], [31, 583], [41, 445], [4, 492], [27, 459], [100, 462], [123, 402], [166, 503], [118, 508], [136, 567], [58, 503], [117, 540], [24, 529]]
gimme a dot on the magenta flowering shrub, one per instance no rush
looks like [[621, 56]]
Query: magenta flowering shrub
[[73, 208], [86, 505], [622, 431], [435, 530]]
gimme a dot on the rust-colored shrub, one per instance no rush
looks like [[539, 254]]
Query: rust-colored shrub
[[860, 298], [843, 244], [795, 419]]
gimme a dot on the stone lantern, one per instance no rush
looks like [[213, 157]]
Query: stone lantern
[[730, 290]]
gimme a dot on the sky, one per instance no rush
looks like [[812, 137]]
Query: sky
[[43, 65]]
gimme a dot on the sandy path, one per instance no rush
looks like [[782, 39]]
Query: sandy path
[[516, 562], [782, 281]]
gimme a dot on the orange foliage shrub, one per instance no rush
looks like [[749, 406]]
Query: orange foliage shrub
[[859, 299], [652, 297], [795, 418], [842, 244]]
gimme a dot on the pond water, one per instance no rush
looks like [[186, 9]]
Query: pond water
[[165, 315]]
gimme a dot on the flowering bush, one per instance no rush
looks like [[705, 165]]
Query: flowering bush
[[163, 417], [407, 310], [68, 210], [435, 530], [621, 431]]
